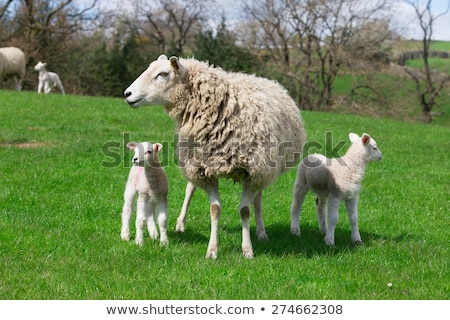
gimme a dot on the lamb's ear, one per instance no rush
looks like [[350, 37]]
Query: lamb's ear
[[162, 57], [353, 137], [365, 139], [157, 147], [175, 63], [132, 145]]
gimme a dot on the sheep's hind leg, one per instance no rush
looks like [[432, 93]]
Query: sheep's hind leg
[[150, 212], [181, 220], [214, 209], [260, 230], [127, 210], [321, 214], [298, 197], [333, 217], [246, 200], [352, 210]]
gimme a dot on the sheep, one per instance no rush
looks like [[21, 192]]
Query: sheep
[[334, 180], [229, 125], [47, 79], [12, 64], [148, 178], [189, 193]]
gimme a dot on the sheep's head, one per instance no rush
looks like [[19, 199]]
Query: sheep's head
[[369, 144], [145, 153], [40, 66], [153, 86]]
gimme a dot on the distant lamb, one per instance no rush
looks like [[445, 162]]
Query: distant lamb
[[47, 79], [230, 125], [12, 64], [334, 180], [149, 179]]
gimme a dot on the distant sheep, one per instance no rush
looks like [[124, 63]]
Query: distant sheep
[[230, 125], [47, 79], [334, 180], [149, 180], [12, 64]]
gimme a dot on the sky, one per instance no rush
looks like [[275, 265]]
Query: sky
[[403, 16]]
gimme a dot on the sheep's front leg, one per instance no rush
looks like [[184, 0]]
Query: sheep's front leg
[[181, 220], [162, 222], [127, 210], [141, 220], [41, 84], [215, 210], [260, 229], [352, 210], [333, 217], [150, 213]]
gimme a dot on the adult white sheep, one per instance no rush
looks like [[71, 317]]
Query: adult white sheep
[[12, 64], [149, 180], [47, 79], [230, 125], [334, 180]]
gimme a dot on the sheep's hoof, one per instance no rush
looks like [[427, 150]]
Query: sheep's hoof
[[295, 231], [139, 242], [164, 242], [125, 235], [179, 227], [262, 236], [211, 253], [329, 243], [248, 253], [358, 243]]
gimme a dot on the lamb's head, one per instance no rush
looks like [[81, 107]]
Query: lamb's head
[[40, 66], [145, 153], [153, 86], [368, 144]]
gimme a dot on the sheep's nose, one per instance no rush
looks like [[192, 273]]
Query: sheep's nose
[[127, 94]]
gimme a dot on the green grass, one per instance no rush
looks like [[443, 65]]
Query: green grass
[[60, 214]]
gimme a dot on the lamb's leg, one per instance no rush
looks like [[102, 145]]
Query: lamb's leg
[[181, 220], [321, 204], [127, 210], [260, 230], [248, 197], [140, 219], [60, 86], [162, 222], [298, 197], [214, 209], [352, 210], [41, 84], [333, 217], [47, 88], [150, 213]]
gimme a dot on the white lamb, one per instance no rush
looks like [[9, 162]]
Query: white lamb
[[47, 79], [334, 180], [12, 64], [149, 179], [229, 125]]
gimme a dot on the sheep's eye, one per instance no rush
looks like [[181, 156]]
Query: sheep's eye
[[162, 74]]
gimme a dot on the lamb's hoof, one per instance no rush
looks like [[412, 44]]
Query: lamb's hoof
[[125, 235], [179, 227], [211, 253], [139, 242], [154, 235], [329, 243], [164, 242], [358, 243]]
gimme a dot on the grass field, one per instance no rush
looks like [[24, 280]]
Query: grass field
[[62, 177]]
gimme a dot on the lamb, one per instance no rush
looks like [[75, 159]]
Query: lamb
[[229, 125], [47, 79], [12, 64], [149, 179], [334, 180]]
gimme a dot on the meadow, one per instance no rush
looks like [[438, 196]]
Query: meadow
[[63, 170]]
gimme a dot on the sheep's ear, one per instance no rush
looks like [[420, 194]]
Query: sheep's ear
[[175, 63], [162, 57], [157, 147], [365, 139], [131, 145], [353, 137]]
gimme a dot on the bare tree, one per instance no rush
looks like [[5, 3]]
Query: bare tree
[[306, 39], [428, 83]]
